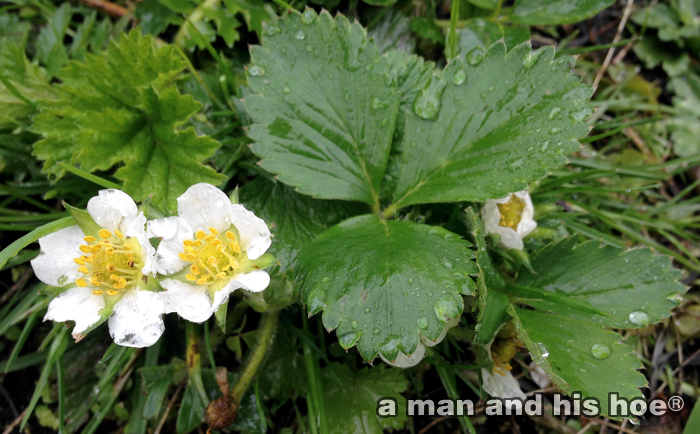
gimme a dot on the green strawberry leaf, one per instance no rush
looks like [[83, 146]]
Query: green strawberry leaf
[[351, 403], [633, 288], [324, 113], [491, 124], [384, 284], [539, 12], [580, 356], [122, 108], [297, 219]]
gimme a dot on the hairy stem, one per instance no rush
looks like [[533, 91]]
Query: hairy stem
[[267, 328]]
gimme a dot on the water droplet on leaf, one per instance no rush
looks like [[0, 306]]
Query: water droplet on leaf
[[601, 351], [639, 317]]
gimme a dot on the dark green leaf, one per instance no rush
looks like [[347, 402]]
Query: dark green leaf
[[633, 288], [156, 380], [191, 412], [324, 113], [482, 33], [297, 219], [539, 12], [154, 16], [490, 125], [580, 356], [383, 284], [351, 403]]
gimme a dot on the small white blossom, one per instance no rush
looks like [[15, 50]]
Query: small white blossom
[[209, 252], [510, 217], [501, 384], [105, 273]]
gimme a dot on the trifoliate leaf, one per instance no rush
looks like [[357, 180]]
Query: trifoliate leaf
[[122, 108], [580, 356], [383, 284], [490, 125], [351, 403], [633, 288], [538, 12], [324, 111], [297, 219]]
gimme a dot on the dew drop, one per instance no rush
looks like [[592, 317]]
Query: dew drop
[[385, 121], [300, 34], [378, 103], [553, 113], [272, 30], [475, 56], [427, 105], [256, 70], [325, 279], [367, 310], [555, 130], [639, 317], [309, 16], [601, 351], [410, 280], [423, 322], [286, 89], [446, 262], [354, 324], [376, 331], [459, 77]]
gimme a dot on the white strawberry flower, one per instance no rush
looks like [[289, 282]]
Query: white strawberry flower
[[511, 218], [106, 273], [209, 251]]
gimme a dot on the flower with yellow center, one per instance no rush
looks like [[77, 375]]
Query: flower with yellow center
[[209, 251], [105, 274], [510, 217]]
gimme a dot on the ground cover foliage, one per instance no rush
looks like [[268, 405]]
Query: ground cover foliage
[[370, 136]]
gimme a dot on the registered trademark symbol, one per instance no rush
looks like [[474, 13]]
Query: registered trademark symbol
[[675, 403]]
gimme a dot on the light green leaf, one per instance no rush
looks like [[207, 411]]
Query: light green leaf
[[490, 125], [482, 33], [686, 126], [324, 111], [634, 288], [538, 12], [351, 403], [49, 44], [24, 78], [580, 356], [393, 32], [383, 284], [15, 30], [122, 108], [297, 219]]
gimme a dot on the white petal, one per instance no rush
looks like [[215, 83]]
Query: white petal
[[79, 305], [191, 302], [510, 238], [404, 361], [173, 231], [204, 206], [137, 321], [137, 229], [112, 209], [448, 325], [255, 235], [501, 386], [255, 281], [490, 215], [54, 265], [525, 227]]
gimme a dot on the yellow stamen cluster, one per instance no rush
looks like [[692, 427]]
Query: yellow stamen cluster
[[511, 212], [211, 256], [110, 263]]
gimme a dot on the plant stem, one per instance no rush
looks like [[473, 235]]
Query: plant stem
[[194, 360], [265, 337], [196, 15]]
